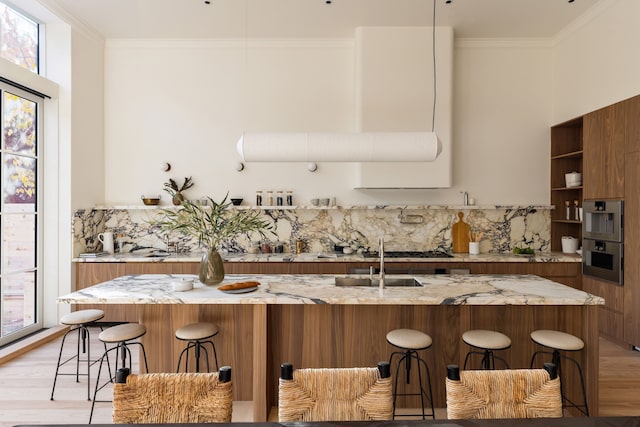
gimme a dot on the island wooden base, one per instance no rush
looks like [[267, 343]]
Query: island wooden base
[[255, 339]]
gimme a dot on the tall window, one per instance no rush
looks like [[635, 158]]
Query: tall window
[[18, 38], [20, 219]]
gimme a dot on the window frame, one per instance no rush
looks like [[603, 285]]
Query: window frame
[[39, 231]]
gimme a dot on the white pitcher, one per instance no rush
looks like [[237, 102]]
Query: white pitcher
[[106, 239]]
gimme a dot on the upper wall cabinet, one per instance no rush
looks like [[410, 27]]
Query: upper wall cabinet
[[632, 119], [604, 149]]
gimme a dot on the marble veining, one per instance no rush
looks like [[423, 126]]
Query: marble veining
[[320, 289], [358, 227]]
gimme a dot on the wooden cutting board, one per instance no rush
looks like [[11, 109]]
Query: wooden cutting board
[[460, 235]]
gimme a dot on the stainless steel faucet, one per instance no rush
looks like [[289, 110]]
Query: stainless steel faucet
[[381, 253]]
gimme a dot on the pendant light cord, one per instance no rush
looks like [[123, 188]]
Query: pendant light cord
[[433, 51]]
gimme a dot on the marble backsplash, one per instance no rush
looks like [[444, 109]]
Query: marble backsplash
[[417, 228]]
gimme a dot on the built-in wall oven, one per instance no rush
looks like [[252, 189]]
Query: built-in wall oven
[[603, 240]]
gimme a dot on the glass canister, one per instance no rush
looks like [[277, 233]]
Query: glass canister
[[259, 198], [265, 247]]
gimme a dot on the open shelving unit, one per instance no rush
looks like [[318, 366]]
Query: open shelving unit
[[566, 157]]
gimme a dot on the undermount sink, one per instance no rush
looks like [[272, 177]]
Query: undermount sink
[[388, 282]]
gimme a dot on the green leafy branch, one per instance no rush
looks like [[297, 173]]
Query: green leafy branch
[[212, 224]]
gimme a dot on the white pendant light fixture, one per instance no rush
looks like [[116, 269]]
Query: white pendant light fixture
[[339, 147]]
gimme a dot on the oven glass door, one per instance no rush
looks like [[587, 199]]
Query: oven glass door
[[603, 260]]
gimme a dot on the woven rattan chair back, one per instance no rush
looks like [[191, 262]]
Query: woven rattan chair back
[[340, 394], [173, 398], [510, 393]]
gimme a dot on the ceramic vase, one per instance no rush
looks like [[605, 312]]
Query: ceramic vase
[[211, 268]]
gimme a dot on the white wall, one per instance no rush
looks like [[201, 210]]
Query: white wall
[[187, 103], [597, 64], [74, 152]]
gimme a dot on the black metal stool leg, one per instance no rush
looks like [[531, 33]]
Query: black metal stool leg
[[406, 357]]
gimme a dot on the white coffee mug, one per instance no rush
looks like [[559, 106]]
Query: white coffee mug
[[107, 241]]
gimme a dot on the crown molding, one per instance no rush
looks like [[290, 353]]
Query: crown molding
[[58, 10], [519, 43], [228, 43], [584, 19]]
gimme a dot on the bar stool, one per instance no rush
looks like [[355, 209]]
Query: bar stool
[[80, 321], [197, 335], [122, 336], [561, 341], [410, 341], [488, 342]]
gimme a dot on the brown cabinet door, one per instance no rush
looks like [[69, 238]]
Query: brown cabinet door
[[604, 149], [632, 118], [632, 251]]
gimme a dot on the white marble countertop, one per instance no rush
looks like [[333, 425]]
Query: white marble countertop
[[320, 289], [326, 257]]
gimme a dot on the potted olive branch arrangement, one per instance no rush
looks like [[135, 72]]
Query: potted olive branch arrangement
[[211, 225], [175, 191]]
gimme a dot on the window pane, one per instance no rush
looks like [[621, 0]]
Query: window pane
[[18, 241], [18, 309], [18, 38], [19, 183], [19, 123]]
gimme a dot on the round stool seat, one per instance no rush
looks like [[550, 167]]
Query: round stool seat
[[197, 331], [121, 333], [409, 339], [557, 340], [82, 317], [490, 340]]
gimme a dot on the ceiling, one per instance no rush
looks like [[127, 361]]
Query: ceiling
[[317, 19]]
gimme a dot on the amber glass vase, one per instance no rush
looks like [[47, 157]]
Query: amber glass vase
[[211, 268]]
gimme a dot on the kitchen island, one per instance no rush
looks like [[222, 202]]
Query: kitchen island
[[310, 322]]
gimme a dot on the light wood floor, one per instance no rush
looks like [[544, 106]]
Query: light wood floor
[[25, 388]]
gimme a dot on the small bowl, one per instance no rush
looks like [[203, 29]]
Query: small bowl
[[236, 202], [181, 285], [151, 201], [347, 250]]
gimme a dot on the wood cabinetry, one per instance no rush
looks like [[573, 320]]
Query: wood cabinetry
[[604, 149], [611, 316], [611, 155], [632, 238], [566, 157]]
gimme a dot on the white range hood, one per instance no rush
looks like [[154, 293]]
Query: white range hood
[[395, 92]]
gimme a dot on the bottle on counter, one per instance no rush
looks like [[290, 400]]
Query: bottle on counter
[[289, 198], [259, 198], [279, 199], [269, 198]]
